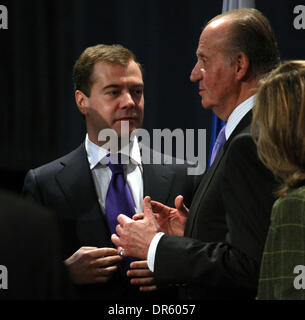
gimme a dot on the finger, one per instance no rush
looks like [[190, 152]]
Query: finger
[[102, 273], [148, 288], [146, 204], [138, 216], [139, 264], [110, 252], [116, 240], [101, 279], [157, 206], [107, 261], [88, 248], [118, 230], [101, 252], [122, 219], [139, 273], [142, 281], [105, 271], [181, 206]]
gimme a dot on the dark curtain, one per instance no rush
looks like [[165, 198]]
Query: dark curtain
[[39, 118], [37, 64]]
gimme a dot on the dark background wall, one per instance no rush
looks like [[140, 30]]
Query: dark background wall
[[39, 119]]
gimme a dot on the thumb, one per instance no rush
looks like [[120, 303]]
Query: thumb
[[147, 208], [137, 216], [180, 206]]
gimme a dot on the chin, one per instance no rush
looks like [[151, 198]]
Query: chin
[[206, 105]]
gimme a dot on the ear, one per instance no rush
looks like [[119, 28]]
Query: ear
[[242, 66], [82, 102]]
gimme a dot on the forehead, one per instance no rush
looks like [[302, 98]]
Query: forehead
[[213, 37], [104, 71]]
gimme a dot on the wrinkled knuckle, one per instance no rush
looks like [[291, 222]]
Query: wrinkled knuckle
[[128, 224], [86, 254]]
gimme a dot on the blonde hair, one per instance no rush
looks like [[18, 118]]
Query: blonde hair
[[278, 124]]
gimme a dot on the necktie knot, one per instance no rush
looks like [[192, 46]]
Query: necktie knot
[[115, 164], [116, 168]]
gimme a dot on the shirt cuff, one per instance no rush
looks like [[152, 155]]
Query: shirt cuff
[[152, 251]]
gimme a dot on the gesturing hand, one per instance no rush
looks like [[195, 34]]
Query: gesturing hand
[[91, 264], [135, 235], [171, 220]]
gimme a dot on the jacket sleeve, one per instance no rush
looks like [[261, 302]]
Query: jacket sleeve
[[246, 194]]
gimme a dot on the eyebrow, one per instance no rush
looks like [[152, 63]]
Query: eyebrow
[[116, 86], [111, 86]]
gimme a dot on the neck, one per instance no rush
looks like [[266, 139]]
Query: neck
[[112, 144], [247, 89]]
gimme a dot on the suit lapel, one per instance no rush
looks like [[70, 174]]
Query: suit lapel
[[203, 186], [77, 184], [157, 182], [207, 178]]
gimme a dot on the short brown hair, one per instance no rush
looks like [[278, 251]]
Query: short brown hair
[[251, 33], [112, 54], [279, 123]]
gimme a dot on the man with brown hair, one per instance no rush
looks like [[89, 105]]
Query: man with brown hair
[[224, 231], [87, 191]]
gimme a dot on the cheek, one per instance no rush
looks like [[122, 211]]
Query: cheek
[[140, 109], [210, 84], [103, 114]]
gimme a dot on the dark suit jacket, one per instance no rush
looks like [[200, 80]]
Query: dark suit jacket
[[66, 186], [30, 250], [220, 255]]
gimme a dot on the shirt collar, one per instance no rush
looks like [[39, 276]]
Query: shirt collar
[[238, 113], [96, 153]]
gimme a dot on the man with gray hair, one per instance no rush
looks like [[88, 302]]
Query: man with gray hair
[[213, 250]]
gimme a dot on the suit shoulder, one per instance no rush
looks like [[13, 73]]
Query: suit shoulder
[[243, 142], [242, 152], [242, 155], [152, 156], [55, 165]]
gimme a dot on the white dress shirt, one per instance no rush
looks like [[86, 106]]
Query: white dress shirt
[[101, 173], [235, 117]]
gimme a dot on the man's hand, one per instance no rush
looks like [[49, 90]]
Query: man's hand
[[141, 276], [91, 264], [171, 220], [134, 236]]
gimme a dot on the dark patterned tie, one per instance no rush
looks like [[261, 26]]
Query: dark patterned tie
[[118, 200], [220, 141]]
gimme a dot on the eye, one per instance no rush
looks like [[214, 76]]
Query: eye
[[137, 92], [113, 92], [203, 61]]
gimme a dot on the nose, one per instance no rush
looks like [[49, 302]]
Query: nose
[[127, 101], [196, 73]]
